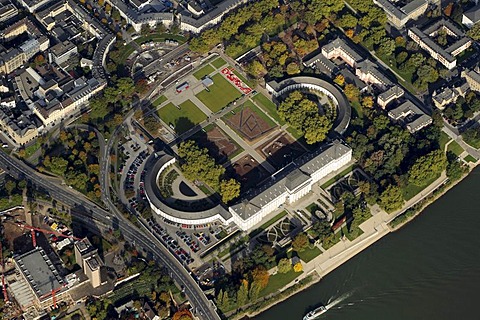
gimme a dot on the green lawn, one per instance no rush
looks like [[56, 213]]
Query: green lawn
[[31, 149], [412, 190], [357, 107], [159, 101], [309, 254], [268, 224], [278, 281], [295, 133], [455, 148], [337, 177], [219, 62], [219, 95], [249, 83], [205, 71], [8, 202], [182, 119], [469, 158], [268, 106], [444, 138], [125, 51], [312, 207]]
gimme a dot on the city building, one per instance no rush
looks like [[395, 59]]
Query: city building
[[86, 256], [62, 51], [338, 48], [368, 72], [449, 95], [193, 18], [289, 184], [284, 187], [473, 79], [33, 5], [392, 94], [471, 17], [7, 10], [399, 16], [19, 123], [39, 280], [411, 116], [446, 56]]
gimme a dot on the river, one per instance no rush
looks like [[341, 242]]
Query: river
[[429, 269]]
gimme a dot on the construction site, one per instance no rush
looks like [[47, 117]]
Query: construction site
[[45, 268]]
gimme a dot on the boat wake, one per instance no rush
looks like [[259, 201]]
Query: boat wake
[[337, 301]]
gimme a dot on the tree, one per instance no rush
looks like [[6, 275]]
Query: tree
[[427, 167], [348, 21], [340, 80], [293, 68], [352, 92], [300, 242], [260, 276], [198, 165], [401, 57], [284, 265], [391, 199], [367, 102], [455, 169], [400, 41], [298, 267], [182, 315], [302, 114], [256, 69], [229, 189], [386, 47], [474, 32], [10, 186], [242, 293]]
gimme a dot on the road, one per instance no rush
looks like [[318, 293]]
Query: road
[[142, 239]]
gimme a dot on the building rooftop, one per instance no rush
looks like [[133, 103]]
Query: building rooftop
[[411, 115], [288, 178], [394, 91], [39, 271], [473, 14], [339, 43]]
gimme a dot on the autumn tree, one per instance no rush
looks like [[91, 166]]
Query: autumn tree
[[300, 242], [367, 102], [260, 276], [352, 92], [182, 315], [340, 80]]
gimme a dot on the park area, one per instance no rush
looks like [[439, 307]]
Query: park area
[[204, 71], [249, 121], [219, 94], [182, 118]]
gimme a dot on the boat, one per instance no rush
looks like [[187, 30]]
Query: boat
[[315, 313]]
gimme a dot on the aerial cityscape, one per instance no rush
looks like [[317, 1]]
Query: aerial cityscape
[[217, 159]]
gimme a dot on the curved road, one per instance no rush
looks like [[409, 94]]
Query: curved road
[[142, 239]]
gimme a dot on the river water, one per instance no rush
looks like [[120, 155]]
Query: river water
[[429, 269]]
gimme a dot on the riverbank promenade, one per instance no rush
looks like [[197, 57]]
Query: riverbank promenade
[[373, 230]]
